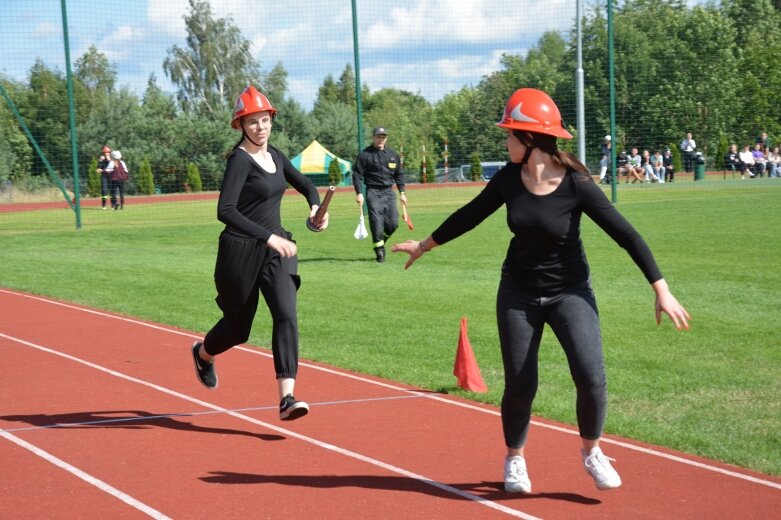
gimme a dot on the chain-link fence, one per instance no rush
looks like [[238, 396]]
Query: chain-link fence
[[157, 82]]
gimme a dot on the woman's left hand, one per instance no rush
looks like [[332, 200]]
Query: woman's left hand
[[412, 248], [667, 303]]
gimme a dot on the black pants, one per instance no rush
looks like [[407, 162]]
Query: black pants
[[104, 189], [117, 194], [383, 213], [247, 268], [573, 317], [688, 161]]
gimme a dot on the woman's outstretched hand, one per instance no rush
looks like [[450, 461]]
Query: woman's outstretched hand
[[412, 248], [667, 303]]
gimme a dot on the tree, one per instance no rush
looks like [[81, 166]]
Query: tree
[[328, 92], [16, 152], [193, 178], [155, 102], [95, 72], [145, 181], [46, 112], [409, 120], [336, 128], [216, 64], [334, 173], [93, 178], [345, 88], [476, 168]]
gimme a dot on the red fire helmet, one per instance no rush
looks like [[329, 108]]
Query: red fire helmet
[[533, 110], [249, 102]]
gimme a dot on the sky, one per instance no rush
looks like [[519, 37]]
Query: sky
[[427, 47]]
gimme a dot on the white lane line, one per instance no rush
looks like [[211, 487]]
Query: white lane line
[[136, 418], [321, 444], [103, 486], [428, 395]]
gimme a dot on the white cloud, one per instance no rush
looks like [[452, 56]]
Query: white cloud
[[438, 21], [461, 67], [303, 90], [46, 29], [167, 16], [429, 47], [434, 78], [119, 42]]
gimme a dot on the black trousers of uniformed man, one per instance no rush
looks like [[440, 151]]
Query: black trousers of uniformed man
[[383, 214], [104, 189], [688, 161], [247, 268]]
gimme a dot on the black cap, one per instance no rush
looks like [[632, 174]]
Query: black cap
[[379, 130]]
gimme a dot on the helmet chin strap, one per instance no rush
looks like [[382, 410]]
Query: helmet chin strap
[[246, 136], [529, 150]]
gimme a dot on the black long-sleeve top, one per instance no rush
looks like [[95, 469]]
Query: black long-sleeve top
[[250, 197], [546, 255], [378, 169]]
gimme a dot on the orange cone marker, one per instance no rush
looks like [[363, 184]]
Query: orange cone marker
[[465, 368]]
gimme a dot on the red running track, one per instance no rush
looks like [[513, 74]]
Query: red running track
[[101, 416]]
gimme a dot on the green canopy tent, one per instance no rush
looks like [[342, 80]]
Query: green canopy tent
[[314, 162]]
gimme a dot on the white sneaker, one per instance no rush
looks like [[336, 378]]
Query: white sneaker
[[516, 479], [598, 466]]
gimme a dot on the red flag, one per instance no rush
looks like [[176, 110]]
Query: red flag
[[465, 368]]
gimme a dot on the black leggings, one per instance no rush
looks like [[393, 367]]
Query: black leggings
[[239, 293], [573, 317]]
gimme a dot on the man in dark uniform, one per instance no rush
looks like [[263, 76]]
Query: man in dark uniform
[[378, 167]]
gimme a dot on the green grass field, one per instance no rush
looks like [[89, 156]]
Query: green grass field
[[712, 391]]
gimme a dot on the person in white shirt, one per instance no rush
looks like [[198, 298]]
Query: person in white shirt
[[688, 147], [604, 162], [657, 163], [748, 160], [650, 174], [635, 166]]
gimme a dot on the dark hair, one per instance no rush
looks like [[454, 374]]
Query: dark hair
[[230, 152], [547, 143]]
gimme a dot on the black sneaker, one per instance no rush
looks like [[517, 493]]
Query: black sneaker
[[290, 409], [380, 252], [203, 369]]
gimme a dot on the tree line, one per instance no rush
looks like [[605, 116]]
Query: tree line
[[709, 70]]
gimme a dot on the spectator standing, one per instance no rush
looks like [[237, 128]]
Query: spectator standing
[[118, 173], [105, 182], [669, 167], [545, 276], [378, 168], [764, 140], [688, 147], [604, 162]]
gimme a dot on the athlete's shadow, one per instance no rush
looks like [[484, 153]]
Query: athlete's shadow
[[484, 490], [126, 419]]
